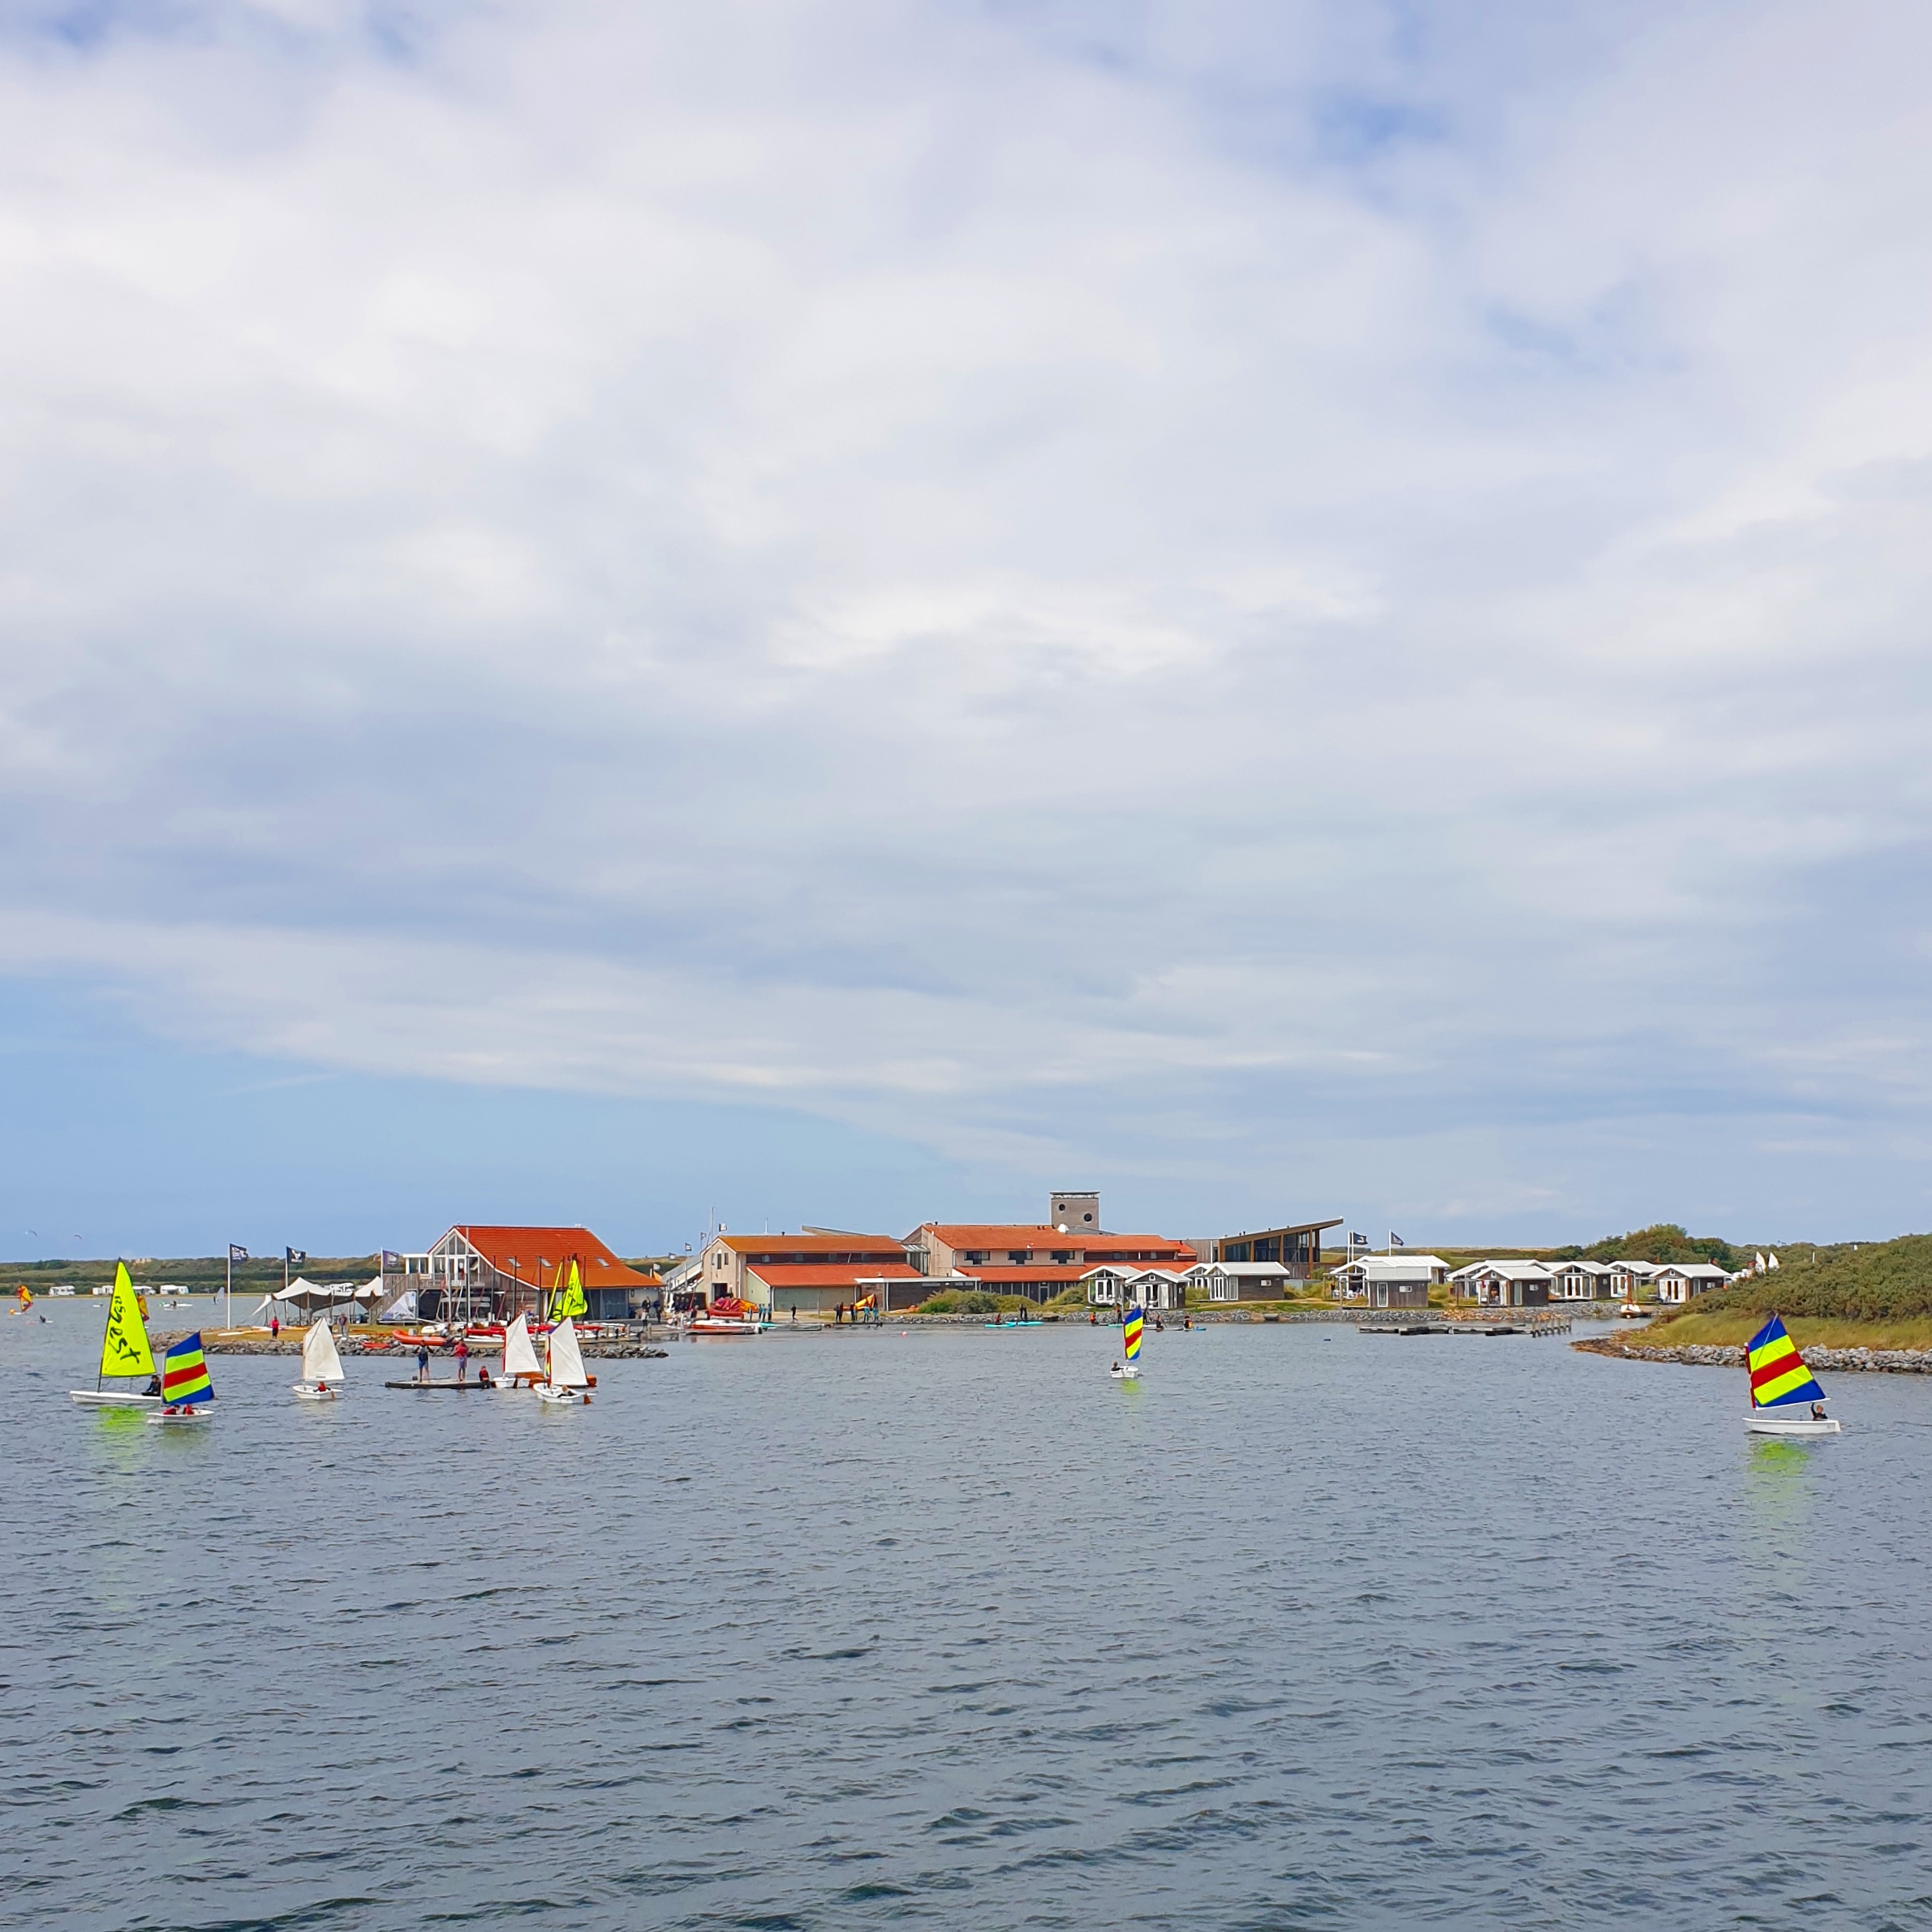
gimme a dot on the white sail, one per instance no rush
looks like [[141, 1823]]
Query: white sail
[[320, 1360], [519, 1358], [566, 1358]]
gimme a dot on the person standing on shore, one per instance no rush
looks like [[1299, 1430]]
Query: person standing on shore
[[274, 1327]]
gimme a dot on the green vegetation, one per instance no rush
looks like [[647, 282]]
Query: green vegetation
[[1703, 1329], [1665, 1241], [1859, 1282], [203, 1274], [971, 1300]]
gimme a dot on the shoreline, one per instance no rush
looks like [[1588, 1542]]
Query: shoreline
[[1725, 1355]]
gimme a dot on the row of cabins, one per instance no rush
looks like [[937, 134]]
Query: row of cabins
[[484, 1271], [1404, 1281]]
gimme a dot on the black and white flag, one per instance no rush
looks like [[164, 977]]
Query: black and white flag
[[295, 1256], [237, 1253]]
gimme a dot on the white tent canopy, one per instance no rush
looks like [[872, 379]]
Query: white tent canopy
[[307, 1295]]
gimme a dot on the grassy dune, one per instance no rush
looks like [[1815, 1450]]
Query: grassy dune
[[1735, 1328]]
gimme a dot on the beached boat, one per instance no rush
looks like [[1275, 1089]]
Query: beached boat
[[1130, 1334], [124, 1353], [321, 1365], [564, 1382], [1781, 1384], [186, 1391], [727, 1316]]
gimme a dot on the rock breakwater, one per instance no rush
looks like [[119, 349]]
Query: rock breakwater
[[1897, 1362]]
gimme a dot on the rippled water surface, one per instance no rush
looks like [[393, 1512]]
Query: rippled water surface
[[1309, 1627]]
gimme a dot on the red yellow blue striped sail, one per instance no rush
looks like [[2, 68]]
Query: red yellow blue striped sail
[[184, 1373], [1778, 1375], [1132, 1334]]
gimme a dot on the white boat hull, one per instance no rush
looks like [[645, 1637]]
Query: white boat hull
[[1122, 1375], [110, 1398], [181, 1415], [1766, 1424], [308, 1392], [561, 1398]]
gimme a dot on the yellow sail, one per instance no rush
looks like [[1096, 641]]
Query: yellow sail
[[567, 1302], [124, 1349]]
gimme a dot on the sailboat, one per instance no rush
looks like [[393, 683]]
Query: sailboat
[[521, 1368], [124, 1351], [321, 1365], [1780, 1382], [1130, 1335], [185, 1389], [566, 1381]]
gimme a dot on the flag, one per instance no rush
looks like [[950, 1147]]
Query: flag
[[1395, 1240], [184, 1373], [1358, 1241], [1132, 1333], [391, 1261], [124, 1349], [1778, 1375], [294, 1257], [237, 1253]]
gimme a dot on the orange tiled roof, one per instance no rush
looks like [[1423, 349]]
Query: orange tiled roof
[[791, 1275], [533, 1254], [814, 1244]]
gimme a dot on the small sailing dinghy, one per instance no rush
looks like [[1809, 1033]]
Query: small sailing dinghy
[[1780, 1381], [565, 1382], [124, 1351], [521, 1368], [321, 1365], [1130, 1371], [185, 1389]]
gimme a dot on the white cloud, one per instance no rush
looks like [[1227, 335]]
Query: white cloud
[[886, 557]]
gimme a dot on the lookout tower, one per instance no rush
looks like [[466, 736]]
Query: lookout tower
[[1079, 1213]]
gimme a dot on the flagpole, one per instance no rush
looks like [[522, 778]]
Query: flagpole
[[228, 1320]]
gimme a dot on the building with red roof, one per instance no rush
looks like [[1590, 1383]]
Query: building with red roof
[[495, 1273]]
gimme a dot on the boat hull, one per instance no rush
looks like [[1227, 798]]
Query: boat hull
[[716, 1330], [1800, 1426], [307, 1392], [1122, 1375], [167, 1417], [562, 1398], [110, 1398]]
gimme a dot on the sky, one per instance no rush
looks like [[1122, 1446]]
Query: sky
[[850, 613]]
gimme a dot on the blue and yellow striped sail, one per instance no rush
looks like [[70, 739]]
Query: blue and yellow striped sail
[[1778, 1375], [184, 1373], [1132, 1333]]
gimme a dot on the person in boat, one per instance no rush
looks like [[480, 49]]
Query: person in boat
[[153, 1388], [1817, 1412]]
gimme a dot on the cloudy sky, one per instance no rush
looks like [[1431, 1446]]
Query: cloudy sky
[[848, 612]]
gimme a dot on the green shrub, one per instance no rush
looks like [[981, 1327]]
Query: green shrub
[[967, 1301], [1872, 1281]]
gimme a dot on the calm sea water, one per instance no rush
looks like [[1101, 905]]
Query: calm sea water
[[1308, 1628]]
